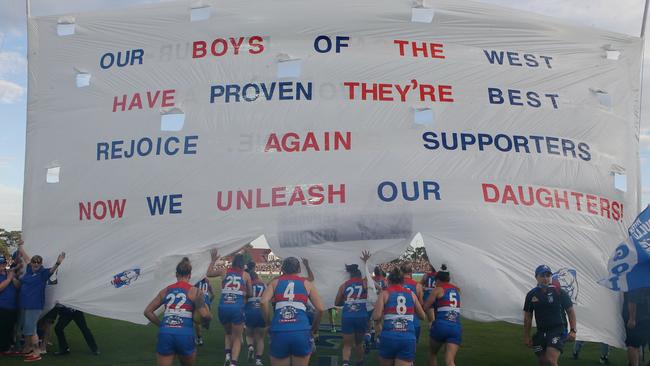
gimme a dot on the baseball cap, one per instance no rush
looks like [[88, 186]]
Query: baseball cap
[[542, 269]]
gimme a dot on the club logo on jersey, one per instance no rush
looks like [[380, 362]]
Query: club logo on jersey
[[400, 324], [173, 321], [288, 314], [452, 316], [229, 299], [126, 278], [645, 244], [353, 307], [567, 280]]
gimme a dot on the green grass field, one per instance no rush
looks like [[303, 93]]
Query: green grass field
[[122, 343]]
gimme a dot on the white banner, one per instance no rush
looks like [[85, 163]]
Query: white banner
[[330, 127]]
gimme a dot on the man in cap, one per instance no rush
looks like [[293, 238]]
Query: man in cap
[[550, 306]]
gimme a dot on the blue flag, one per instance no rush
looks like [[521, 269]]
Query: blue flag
[[629, 266]]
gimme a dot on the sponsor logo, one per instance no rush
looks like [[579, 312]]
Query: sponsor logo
[[126, 278]]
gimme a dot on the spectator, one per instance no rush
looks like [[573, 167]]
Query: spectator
[[636, 315], [8, 304], [66, 315], [31, 299]]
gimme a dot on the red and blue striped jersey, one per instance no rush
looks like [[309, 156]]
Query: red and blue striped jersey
[[448, 306], [398, 313], [177, 317], [355, 296], [233, 289], [429, 283], [290, 303], [258, 288]]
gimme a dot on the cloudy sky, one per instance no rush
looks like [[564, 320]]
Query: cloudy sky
[[622, 16]]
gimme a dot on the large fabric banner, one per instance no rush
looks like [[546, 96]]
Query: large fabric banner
[[331, 127]]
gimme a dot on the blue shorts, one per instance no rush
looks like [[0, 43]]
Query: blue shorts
[[446, 332], [292, 343], [391, 348], [30, 320], [254, 318], [418, 330], [170, 344], [231, 315], [354, 325]]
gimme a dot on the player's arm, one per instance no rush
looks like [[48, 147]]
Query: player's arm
[[567, 305], [418, 308], [428, 306], [315, 299], [420, 294], [378, 313], [631, 309], [199, 303], [528, 319], [310, 274], [249, 284], [213, 271], [339, 297], [149, 311], [266, 299]]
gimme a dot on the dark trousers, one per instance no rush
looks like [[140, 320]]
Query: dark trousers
[[65, 317], [7, 322]]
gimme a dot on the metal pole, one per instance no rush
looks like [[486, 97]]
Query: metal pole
[[645, 17], [28, 8]]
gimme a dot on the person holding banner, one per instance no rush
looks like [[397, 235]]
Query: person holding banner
[[636, 315], [443, 308], [31, 298], [290, 329], [397, 305], [235, 289], [176, 333], [550, 306], [353, 296], [255, 325]]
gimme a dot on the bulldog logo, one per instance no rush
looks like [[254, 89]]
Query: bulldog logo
[[567, 280]]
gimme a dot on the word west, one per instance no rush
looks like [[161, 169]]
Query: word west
[[282, 90], [420, 49], [291, 142], [520, 98], [312, 195], [151, 99], [99, 209], [552, 198], [231, 46], [517, 59], [396, 92], [145, 146]]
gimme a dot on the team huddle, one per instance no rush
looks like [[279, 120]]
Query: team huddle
[[290, 308]]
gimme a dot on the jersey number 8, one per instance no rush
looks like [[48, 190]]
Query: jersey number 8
[[401, 305]]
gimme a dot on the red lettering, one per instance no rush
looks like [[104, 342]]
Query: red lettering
[[331, 193], [256, 45], [547, 200], [297, 196], [427, 90], [616, 215], [316, 195], [295, 145], [486, 194], [199, 49], [116, 207], [444, 93], [522, 197], [155, 98], [272, 143], [401, 45], [310, 142], [136, 101], [509, 195], [277, 194], [117, 103], [564, 199], [258, 200], [436, 50], [351, 85], [96, 207], [591, 204], [236, 43], [365, 91], [385, 91], [578, 198], [168, 98], [84, 211], [416, 49], [604, 207], [215, 45]]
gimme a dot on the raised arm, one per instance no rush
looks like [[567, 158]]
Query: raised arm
[[59, 260], [310, 274], [213, 271], [149, 311], [22, 252]]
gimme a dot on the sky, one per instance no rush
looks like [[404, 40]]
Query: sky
[[623, 16]]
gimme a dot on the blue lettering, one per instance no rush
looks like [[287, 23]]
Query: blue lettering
[[157, 205], [513, 58], [116, 149], [493, 56], [430, 139], [190, 147], [393, 191], [102, 149], [495, 95], [174, 205]]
